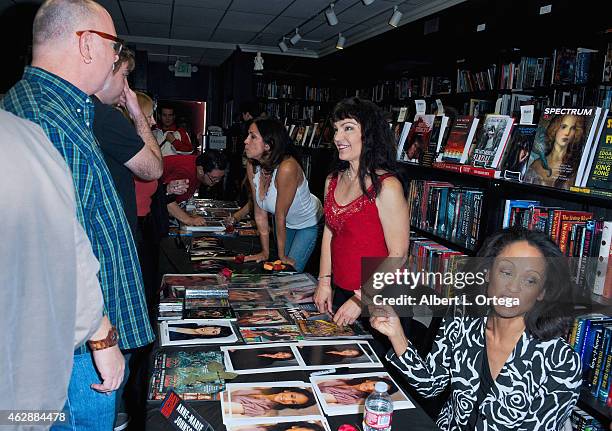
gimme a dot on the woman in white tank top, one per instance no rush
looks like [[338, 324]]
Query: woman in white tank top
[[279, 187]]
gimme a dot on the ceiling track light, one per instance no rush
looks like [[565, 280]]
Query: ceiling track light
[[283, 45], [332, 19], [341, 41], [367, 2], [296, 37], [396, 17]]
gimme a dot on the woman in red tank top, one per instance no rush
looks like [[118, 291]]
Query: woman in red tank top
[[366, 212]]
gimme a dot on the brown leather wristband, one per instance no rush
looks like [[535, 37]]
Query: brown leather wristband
[[112, 338]]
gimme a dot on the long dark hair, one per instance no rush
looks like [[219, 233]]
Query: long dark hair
[[391, 387], [309, 395], [224, 331], [378, 144], [551, 317], [287, 426], [331, 358], [281, 146], [574, 149]]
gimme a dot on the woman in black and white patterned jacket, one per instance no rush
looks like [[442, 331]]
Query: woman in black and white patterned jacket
[[509, 367]]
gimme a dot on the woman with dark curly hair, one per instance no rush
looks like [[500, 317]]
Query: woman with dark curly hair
[[279, 187], [506, 360], [558, 166], [366, 212], [269, 401]]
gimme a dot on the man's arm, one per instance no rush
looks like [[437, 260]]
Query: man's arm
[[147, 163], [177, 212]]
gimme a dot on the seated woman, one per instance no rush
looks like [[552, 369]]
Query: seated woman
[[366, 212], [279, 187], [508, 366]]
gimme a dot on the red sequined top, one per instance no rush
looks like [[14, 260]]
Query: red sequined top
[[357, 232]]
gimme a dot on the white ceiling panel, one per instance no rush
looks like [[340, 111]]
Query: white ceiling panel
[[207, 4], [195, 16], [359, 12], [165, 2], [326, 31], [283, 24], [232, 36], [245, 21], [148, 29], [269, 7], [146, 12], [305, 8], [191, 33], [253, 22]]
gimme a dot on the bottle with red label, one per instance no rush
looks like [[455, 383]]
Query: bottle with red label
[[378, 409]]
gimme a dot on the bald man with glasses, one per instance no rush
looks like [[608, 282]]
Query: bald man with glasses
[[74, 50]]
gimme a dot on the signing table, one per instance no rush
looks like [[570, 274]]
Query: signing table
[[174, 259]]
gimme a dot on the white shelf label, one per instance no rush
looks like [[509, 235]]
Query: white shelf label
[[421, 106], [545, 9], [481, 27], [527, 114]]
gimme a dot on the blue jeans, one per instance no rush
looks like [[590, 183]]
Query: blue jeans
[[300, 243], [85, 408]]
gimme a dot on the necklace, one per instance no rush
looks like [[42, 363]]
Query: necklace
[[348, 175]]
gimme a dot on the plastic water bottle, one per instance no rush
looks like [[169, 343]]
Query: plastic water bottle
[[378, 409]]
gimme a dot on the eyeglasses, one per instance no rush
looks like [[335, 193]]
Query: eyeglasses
[[117, 46], [214, 180]]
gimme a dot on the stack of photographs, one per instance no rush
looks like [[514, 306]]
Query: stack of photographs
[[269, 402], [196, 332], [345, 394], [187, 372], [278, 424], [175, 285], [170, 309], [267, 358]]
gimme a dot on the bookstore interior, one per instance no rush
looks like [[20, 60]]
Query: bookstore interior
[[339, 215]]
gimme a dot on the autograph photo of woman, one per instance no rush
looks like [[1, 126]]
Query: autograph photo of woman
[[311, 425], [262, 316], [183, 332], [245, 401], [348, 354], [346, 394], [261, 359]]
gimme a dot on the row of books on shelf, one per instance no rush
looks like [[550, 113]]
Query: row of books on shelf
[[449, 212], [510, 104], [569, 147], [430, 257], [305, 135], [469, 81], [292, 110], [579, 235], [404, 88], [282, 90], [566, 66], [591, 337]]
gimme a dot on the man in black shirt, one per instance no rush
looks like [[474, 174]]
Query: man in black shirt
[[128, 149]]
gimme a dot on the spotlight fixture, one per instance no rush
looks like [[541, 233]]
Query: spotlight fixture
[[340, 42], [395, 18], [332, 19], [296, 37], [283, 45], [367, 2]]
